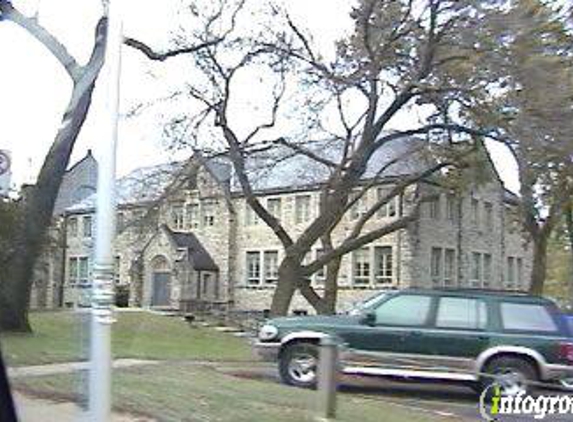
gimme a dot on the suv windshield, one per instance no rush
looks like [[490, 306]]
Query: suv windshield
[[368, 303]]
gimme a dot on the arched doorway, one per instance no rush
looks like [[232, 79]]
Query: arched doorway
[[160, 282]]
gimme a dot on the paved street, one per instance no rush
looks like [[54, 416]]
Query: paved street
[[450, 400]]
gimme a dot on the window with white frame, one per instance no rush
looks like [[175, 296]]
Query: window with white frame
[[449, 267], [251, 217], [451, 208], [475, 269], [192, 215], [383, 265], [435, 208], [436, 266], [487, 270], [120, 221], [389, 209], [208, 209], [302, 208], [78, 270], [177, 217], [73, 271], [253, 267], [360, 206], [361, 266], [271, 266], [87, 226], [274, 207], [73, 227], [519, 273]]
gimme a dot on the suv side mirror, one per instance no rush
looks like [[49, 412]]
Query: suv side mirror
[[369, 318]]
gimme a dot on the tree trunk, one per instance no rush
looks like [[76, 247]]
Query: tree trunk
[[538, 272], [331, 286], [289, 272], [37, 215]]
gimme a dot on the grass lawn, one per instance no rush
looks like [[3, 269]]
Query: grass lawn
[[182, 392], [63, 337]]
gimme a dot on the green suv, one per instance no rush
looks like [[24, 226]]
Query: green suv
[[470, 336]]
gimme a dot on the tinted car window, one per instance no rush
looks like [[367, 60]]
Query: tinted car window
[[526, 317], [454, 312], [409, 310]]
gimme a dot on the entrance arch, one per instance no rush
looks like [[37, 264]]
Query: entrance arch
[[160, 281]]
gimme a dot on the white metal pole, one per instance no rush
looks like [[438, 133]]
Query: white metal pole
[[103, 270]]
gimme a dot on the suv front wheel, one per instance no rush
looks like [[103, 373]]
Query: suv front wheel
[[512, 374], [298, 365]]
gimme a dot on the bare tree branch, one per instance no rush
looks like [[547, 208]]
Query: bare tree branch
[[31, 25], [162, 56]]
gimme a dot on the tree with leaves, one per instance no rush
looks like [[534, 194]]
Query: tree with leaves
[[531, 109]]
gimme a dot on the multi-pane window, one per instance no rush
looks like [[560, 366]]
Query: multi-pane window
[[73, 227], [73, 271], [251, 217], [487, 270], [434, 208], [383, 265], [390, 208], [253, 267], [192, 216], [510, 273], [87, 226], [274, 207], [177, 217], [79, 270], [451, 208], [209, 209], [488, 215], [475, 269], [449, 267], [360, 205], [271, 266], [302, 208], [361, 266], [436, 266], [475, 211]]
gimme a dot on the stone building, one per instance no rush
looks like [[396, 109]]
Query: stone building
[[188, 240], [79, 182]]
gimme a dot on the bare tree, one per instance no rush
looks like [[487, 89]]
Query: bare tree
[[401, 55], [37, 211]]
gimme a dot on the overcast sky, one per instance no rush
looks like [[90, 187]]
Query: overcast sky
[[34, 88]]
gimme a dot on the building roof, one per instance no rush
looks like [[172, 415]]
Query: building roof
[[141, 185], [198, 255], [280, 168]]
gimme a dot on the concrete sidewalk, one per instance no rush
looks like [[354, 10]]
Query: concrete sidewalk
[[31, 409]]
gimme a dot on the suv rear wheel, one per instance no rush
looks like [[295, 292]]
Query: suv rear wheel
[[298, 365], [513, 375]]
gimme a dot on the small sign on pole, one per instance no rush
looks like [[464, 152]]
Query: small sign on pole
[[5, 172]]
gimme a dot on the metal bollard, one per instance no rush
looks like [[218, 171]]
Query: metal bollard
[[328, 377]]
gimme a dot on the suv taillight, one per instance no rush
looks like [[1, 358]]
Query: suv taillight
[[566, 351]]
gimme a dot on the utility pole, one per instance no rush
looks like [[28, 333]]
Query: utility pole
[[103, 278]]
